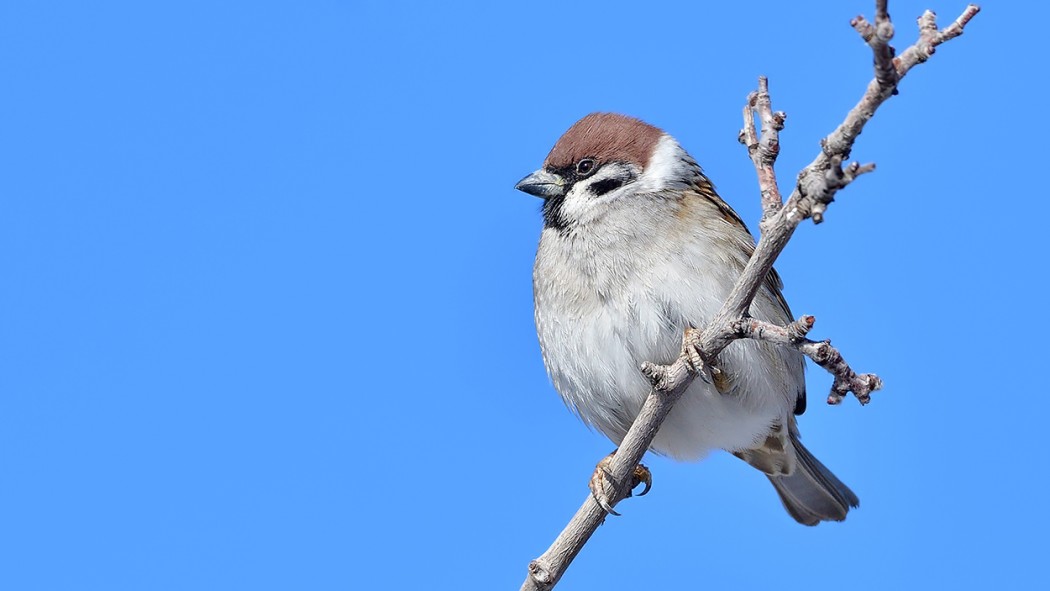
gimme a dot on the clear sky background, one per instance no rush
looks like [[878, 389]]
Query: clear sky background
[[266, 310]]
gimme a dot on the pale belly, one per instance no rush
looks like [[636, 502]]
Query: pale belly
[[593, 359]]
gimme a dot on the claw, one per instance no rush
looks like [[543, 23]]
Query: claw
[[603, 485], [603, 502], [691, 349], [600, 482], [642, 475]]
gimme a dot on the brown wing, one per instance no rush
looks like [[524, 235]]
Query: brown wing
[[774, 285]]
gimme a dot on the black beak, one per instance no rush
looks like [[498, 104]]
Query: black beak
[[542, 184]]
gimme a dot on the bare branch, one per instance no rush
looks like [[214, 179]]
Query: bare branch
[[930, 37], [814, 191], [878, 37], [821, 352], [765, 149]]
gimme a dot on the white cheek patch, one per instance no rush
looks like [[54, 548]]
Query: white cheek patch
[[577, 204], [669, 168], [582, 205]]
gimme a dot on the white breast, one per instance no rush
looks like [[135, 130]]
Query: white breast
[[609, 300]]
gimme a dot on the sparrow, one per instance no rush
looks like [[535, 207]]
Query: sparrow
[[637, 247]]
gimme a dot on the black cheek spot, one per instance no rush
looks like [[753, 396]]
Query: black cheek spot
[[604, 186]]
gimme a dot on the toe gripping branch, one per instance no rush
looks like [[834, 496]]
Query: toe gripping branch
[[605, 489]]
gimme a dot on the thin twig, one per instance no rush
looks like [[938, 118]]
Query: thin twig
[[878, 37], [764, 149], [821, 352]]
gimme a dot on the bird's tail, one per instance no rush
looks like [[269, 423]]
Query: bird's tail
[[811, 493]]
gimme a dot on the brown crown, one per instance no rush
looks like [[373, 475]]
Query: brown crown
[[605, 137]]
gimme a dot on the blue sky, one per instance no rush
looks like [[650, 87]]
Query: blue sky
[[266, 323]]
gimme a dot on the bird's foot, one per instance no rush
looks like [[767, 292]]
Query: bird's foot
[[603, 486], [694, 359], [667, 377], [691, 353]]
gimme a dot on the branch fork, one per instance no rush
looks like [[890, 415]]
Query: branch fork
[[815, 189]]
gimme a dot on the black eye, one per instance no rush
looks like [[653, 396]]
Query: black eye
[[585, 167]]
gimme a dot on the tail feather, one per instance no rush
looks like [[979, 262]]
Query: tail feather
[[811, 493]]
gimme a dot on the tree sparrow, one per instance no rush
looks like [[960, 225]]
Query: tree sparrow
[[637, 247]]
